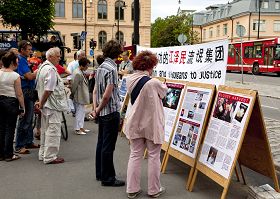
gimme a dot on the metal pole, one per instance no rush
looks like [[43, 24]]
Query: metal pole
[[259, 19], [136, 22], [241, 52], [119, 15], [85, 40]]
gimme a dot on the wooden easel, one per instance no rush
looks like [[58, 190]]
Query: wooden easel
[[191, 161], [253, 148]]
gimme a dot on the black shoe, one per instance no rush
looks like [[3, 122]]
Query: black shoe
[[116, 183]]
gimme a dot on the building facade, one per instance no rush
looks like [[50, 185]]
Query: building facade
[[102, 20], [221, 21]]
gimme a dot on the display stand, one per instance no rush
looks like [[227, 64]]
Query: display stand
[[247, 127], [193, 90]]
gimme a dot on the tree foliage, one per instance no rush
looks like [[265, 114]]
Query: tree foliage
[[30, 16], [166, 31]]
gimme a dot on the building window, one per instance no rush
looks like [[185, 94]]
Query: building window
[[102, 39], [211, 32], [77, 9], [102, 9], [204, 33], [218, 31], [119, 6], [276, 26], [264, 4], [77, 43], [132, 11], [262, 25], [121, 37], [277, 5], [225, 29], [60, 8]]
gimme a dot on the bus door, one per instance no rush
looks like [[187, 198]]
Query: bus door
[[237, 56], [268, 56]]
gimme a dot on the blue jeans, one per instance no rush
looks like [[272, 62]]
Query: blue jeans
[[8, 120], [24, 128], [107, 138]]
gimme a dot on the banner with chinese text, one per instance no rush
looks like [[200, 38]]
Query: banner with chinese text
[[204, 63]]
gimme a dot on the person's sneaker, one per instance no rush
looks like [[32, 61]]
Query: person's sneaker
[[80, 133], [135, 194], [85, 130], [161, 191]]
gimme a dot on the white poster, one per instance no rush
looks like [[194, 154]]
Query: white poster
[[224, 132], [204, 63], [190, 121], [171, 106]]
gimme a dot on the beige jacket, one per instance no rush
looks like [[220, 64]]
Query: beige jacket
[[79, 88], [146, 117]]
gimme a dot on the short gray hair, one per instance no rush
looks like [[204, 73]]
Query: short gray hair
[[80, 52], [52, 52]]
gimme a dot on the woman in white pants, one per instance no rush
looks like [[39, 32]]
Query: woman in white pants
[[80, 95]]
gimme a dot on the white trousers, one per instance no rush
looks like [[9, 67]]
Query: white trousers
[[80, 116], [50, 136]]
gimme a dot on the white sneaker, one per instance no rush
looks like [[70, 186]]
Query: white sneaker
[[80, 133], [162, 190], [85, 130]]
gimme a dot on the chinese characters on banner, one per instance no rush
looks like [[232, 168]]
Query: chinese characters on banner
[[171, 105], [191, 118], [204, 63], [224, 132]]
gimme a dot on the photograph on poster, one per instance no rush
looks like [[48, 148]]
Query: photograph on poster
[[224, 109], [172, 98], [211, 158], [241, 112]]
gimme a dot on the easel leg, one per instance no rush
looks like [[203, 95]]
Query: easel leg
[[224, 194], [190, 178], [236, 173], [164, 162], [193, 180], [242, 174]]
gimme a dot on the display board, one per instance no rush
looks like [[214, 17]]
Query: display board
[[171, 105], [231, 119], [190, 124]]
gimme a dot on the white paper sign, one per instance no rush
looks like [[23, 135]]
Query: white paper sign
[[224, 132], [189, 125], [205, 63]]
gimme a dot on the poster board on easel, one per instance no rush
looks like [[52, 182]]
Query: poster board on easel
[[229, 127], [190, 125], [171, 106]]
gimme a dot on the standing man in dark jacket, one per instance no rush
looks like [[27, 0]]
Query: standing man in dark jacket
[[106, 105], [24, 138]]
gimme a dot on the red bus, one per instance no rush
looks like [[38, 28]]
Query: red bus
[[259, 56]]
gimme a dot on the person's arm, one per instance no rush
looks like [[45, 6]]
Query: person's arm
[[75, 83], [94, 102], [19, 94], [44, 98], [30, 76], [105, 98]]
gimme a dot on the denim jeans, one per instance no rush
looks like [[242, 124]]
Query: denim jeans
[[24, 128], [9, 107], [107, 138]]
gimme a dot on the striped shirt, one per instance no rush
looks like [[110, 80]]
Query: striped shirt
[[107, 74]]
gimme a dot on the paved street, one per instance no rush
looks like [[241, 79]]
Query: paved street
[[28, 178]]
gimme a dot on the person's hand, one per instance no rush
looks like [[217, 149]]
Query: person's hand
[[22, 113]]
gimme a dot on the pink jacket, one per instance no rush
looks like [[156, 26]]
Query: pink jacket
[[146, 117]]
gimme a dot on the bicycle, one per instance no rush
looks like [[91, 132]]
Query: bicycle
[[64, 129]]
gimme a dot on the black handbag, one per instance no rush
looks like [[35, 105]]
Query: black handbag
[[31, 94]]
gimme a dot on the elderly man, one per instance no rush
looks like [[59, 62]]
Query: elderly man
[[52, 101]]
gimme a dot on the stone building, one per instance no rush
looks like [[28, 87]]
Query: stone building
[[221, 20]]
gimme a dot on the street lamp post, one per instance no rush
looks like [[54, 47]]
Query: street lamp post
[[119, 15], [113, 30], [259, 19]]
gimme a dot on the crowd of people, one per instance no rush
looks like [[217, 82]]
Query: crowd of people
[[28, 85]]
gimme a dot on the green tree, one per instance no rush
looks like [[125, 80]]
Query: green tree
[[165, 32], [30, 16]]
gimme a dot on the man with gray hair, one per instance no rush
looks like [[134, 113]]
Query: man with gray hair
[[52, 101], [72, 66]]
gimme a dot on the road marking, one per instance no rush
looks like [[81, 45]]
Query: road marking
[[271, 107]]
